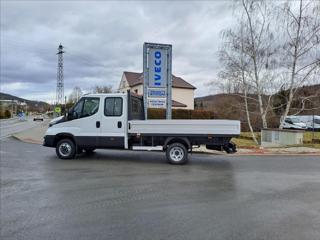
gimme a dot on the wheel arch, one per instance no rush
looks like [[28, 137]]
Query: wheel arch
[[60, 136], [183, 140]]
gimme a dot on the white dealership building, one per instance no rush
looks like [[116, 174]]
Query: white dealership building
[[182, 91]]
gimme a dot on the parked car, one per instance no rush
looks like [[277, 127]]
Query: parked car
[[312, 121], [38, 117], [292, 122]]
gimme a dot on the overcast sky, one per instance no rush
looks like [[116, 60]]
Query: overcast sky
[[103, 39]]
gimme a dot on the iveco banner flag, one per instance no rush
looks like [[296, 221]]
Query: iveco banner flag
[[158, 68], [157, 77]]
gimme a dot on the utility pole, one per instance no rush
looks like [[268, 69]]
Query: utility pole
[[60, 84], [12, 108], [65, 104]]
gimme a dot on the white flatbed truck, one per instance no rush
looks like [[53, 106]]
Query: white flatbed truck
[[116, 121]]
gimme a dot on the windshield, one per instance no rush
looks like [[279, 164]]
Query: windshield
[[78, 107], [317, 121], [293, 120]]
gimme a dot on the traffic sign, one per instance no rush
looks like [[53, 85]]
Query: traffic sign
[[57, 109]]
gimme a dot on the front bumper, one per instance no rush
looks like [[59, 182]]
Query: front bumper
[[49, 141]]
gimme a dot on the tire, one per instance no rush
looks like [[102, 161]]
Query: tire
[[66, 149], [177, 154], [89, 150]]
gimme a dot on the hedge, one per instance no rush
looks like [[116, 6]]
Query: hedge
[[155, 113], [5, 114]]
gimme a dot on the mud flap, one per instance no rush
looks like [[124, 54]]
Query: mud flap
[[230, 147]]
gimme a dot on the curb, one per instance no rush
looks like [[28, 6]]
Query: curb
[[26, 140], [275, 154], [260, 154]]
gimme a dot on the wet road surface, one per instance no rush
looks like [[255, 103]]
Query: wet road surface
[[135, 195], [14, 125]]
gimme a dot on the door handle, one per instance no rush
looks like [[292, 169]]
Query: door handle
[[97, 124], [119, 124]]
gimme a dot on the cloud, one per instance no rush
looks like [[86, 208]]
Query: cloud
[[103, 39]]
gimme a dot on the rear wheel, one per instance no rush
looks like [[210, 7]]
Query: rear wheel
[[66, 149], [177, 154]]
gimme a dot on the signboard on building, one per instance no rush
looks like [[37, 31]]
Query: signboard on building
[[157, 103], [157, 76], [156, 93]]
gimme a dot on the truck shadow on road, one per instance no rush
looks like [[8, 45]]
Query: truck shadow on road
[[199, 160]]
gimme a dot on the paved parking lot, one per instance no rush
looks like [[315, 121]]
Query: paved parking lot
[[135, 195]]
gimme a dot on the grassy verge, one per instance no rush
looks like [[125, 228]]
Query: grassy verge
[[245, 140], [244, 143]]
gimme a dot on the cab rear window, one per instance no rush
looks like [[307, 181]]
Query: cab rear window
[[113, 106]]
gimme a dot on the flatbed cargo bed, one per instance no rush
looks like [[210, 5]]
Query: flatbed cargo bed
[[185, 127]]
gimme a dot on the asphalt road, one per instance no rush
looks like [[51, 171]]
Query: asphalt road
[[136, 195], [12, 126]]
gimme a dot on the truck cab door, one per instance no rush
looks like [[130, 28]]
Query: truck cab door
[[113, 123], [86, 115]]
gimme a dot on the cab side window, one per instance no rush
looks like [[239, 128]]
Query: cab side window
[[113, 107], [90, 107], [86, 107]]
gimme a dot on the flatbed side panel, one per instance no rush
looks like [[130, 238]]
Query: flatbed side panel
[[192, 127]]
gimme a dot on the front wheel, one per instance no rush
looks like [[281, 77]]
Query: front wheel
[[66, 149], [177, 154]]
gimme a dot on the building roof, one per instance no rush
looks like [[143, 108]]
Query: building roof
[[134, 79], [178, 104]]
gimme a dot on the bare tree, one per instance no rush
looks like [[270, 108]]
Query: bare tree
[[248, 56], [236, 69], [75, 95], [301, 53], [253, 39], [260, 47], [102, 89]]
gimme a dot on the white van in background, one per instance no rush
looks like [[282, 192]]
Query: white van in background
[[292, 122], [311, 121]]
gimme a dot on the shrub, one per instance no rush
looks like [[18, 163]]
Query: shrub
[[7, 114], [155, 113]]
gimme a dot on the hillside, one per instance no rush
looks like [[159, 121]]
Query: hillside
[[32, 105], [230, 106]]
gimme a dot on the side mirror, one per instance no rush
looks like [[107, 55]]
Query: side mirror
[[75, 115]]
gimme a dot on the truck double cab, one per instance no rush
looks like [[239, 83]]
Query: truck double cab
[[117, 121]]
